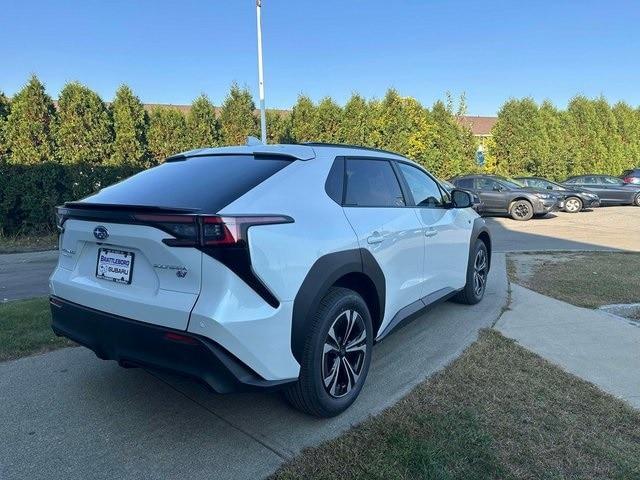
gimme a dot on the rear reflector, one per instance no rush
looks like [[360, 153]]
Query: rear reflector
[[179, 338]]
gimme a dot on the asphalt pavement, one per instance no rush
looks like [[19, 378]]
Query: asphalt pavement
[[67, 415]]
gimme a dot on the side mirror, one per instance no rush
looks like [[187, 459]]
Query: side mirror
[[497, 188], [549, 187], [461, 199]]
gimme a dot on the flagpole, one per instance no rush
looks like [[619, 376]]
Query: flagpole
[[263, 117]]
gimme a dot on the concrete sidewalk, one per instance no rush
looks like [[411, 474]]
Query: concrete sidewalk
[[598, 347]]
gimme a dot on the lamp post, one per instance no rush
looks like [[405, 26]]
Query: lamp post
[[263, 117]]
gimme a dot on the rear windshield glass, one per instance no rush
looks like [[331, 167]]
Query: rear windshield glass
[[204, 183]]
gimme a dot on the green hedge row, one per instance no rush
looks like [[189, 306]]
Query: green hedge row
[[28, 193]]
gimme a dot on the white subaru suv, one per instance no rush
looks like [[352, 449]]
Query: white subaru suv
[[264, 266]]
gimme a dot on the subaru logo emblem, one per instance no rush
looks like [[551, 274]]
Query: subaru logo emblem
[[100, 232]]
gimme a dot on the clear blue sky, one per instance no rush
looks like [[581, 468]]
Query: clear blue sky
[[170, 51]]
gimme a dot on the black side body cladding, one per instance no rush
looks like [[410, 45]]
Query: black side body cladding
[[324, 273]]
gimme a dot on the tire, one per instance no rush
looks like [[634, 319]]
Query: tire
[[572, 205], [521, 210], [327, 368], [636, 201], [478, 265]]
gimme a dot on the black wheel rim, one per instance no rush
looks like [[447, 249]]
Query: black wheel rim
[[480, 270], [521, 210], [344, 353]]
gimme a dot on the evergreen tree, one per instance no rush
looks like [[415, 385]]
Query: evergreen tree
[[167, 133], [612, 162], [5, 108], [84, 130], [237, 117], [628, 127], [129, 126], [586, 150], [392, 128], [278, 127], [451, 146], [327, 121], [520, 138], [204, 129], [28, 128], [355, 127], [418, 142], [303, 127], [553, 158]]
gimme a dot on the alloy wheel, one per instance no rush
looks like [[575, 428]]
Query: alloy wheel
[[344, 353], [572, 205], [480, 271]]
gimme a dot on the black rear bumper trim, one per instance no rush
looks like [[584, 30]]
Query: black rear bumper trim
[[134, 343]]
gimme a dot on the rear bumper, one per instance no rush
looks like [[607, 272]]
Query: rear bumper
[[133, 343]]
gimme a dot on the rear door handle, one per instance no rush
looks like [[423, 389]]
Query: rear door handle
[[375, 238], [431, 232]]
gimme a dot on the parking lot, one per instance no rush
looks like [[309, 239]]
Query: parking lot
[[598, 229]]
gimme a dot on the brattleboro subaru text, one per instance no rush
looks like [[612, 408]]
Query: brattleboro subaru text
[[264, 266]]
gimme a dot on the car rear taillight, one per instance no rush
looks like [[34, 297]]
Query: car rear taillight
[[208, 230]]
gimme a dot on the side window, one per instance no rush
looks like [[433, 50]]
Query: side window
[[576, 181], [611, 181], [334, 184], [465, 183], [535, 183], [486, 184], [424, 189], [372, 183]]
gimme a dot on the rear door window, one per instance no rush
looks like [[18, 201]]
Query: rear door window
[[486, 184], [206, 183], [372, 183]]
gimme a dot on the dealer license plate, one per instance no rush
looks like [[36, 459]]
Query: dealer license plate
[[114, 265]]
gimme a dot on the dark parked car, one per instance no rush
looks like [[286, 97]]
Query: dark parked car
[[575, 198], [501, 195], [477, 204], [631, 176], [611, 190]]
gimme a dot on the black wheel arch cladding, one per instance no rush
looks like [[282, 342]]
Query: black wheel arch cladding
[[324, 273], [480, 231]]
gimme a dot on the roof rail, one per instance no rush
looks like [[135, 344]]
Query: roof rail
[[346, 145]]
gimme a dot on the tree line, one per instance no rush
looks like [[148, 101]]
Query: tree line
[[589, 136], [83, 129], [53, 153]]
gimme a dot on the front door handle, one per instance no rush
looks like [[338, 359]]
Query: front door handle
[[375, 238], [431, 232]]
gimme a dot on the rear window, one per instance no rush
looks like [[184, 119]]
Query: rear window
[[206, 183]]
